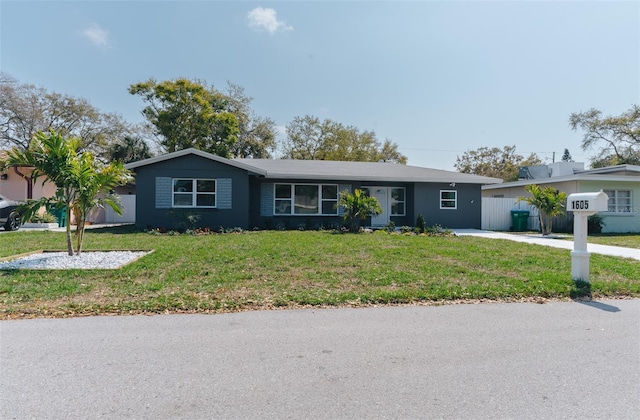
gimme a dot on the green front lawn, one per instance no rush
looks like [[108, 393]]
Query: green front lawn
[[628, 240], [229, 272]]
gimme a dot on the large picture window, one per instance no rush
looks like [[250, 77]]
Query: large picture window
[[449, 199], [306, 199], [194, 192], [619, 201]]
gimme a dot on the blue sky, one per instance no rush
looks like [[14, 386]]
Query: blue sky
[[437, 78]]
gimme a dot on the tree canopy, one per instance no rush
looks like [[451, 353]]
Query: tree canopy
[[26, 110], [616, 139], [256, 135], [308, 138], [189, 113], [130, 149], [495, 162]]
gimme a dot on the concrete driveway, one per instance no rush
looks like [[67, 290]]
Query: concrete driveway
[[552, 241], [518, 360]]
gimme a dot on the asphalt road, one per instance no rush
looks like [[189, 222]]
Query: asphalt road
[[553, 360]]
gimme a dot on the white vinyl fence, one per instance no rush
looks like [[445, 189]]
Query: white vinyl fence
[[496, 213], [128, 211]]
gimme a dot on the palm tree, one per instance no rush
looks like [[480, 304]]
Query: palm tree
[[79, 179], [548, 201], [357, 207], [94, 183]]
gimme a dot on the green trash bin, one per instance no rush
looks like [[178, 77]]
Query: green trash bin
[[519, 219], [61, 215]]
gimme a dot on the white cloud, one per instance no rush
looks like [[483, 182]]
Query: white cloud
[[97, 36], [266, 19]]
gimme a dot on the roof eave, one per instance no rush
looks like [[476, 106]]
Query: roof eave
[[197, 152]]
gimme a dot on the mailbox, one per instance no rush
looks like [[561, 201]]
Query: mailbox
[[583, 205], [591, 202]]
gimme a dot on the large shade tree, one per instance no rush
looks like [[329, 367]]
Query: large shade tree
[[188, 113], [495, 162], [129, 149], [82, 182], [26, 110], [256, 135], [615, 139], [309, 138]]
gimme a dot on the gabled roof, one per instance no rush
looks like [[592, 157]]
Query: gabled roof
[[192, 151], [330, 170]]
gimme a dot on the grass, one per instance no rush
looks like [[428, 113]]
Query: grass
[[255, 270], [627, 240]]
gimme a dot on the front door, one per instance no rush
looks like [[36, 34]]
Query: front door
[[382, 195]]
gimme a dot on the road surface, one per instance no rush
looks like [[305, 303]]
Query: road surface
[[516, 360]]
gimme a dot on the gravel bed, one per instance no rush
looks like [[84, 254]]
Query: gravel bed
[[62, 260]]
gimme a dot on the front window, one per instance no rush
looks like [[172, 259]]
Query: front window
[[449, 199], [398, 201], [306, 199], [619, 201], [194, 192]]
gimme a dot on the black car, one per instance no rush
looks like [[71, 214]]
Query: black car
[[9, 217]]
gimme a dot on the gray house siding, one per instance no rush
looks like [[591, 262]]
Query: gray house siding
[[154, 194], [466, 215]]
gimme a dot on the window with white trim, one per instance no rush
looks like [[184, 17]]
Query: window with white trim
[[619, 201], [449, 199], [189, 192], [398, 201], [305, 199]]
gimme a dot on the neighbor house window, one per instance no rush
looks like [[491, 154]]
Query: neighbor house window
[[194, 192], [398, 201], [448, 199], [306, 199], [619, 201]]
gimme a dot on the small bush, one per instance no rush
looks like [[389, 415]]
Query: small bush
[[437, 230], [45, 217], [406, 229], [595, 223], [390, 227], [421, 225]]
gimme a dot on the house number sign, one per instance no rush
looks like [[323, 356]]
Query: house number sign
[[580, 205]]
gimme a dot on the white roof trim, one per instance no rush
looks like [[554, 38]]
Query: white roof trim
[[567, 178]]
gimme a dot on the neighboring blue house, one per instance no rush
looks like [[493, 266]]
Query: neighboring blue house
[[266, 193]]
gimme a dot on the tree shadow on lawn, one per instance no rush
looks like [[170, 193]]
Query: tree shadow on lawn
[[115, 230]]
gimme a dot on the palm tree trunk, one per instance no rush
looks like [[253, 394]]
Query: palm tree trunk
[[69, 241], [79, 236]]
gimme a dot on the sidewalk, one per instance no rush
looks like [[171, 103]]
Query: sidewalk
[[555, 242]]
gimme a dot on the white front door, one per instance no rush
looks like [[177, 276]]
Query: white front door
[[382, 195]]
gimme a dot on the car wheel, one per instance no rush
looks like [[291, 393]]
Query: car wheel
[[13, 222]]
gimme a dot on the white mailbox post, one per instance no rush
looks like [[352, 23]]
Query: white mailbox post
[[583, 205]]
